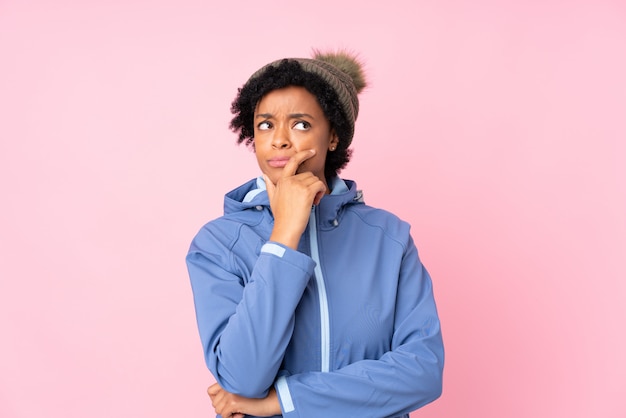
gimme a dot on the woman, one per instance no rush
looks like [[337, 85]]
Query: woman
[[309, 302]]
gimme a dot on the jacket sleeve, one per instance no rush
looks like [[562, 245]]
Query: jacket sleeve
[[245, 329], [402, 380]]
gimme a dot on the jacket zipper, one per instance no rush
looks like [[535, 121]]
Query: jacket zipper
[[321, 292]]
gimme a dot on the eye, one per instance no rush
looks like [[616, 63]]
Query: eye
[[302, 125], [264, 126]]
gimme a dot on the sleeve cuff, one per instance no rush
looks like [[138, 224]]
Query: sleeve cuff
[[284, 396], [274, 249]]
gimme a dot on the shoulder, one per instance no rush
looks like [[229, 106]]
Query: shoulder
[[386, 222], [374, 216], [228, 229]]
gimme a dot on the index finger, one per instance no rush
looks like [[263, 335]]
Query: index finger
[[294, 162]]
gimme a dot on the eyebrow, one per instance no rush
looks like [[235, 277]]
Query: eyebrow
[[291, 115]]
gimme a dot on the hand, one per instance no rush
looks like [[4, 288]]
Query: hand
[[291, 199], [229, 405]]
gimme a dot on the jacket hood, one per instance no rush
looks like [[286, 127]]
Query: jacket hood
[[330, 207]]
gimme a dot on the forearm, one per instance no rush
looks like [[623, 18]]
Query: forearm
[[398, 383]]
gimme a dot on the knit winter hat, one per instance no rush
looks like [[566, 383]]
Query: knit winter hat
[[342, 71]]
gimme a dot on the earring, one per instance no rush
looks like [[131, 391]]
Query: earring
[[332, 148]]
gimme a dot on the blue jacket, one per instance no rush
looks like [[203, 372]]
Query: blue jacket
[[346, 326]]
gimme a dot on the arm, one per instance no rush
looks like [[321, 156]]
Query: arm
[[403, 379], [245, 329], [228, 405]]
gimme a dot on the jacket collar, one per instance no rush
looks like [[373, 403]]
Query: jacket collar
[[252, 195]]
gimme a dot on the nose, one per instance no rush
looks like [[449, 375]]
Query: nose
[[281, 139]]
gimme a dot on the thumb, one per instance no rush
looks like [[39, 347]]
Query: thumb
[[270, 187], [213, 389]]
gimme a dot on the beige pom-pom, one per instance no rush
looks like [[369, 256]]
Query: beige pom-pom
[[346, 62]]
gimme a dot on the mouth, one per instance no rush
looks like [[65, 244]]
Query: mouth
[[278, 162]]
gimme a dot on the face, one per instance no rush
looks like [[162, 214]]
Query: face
[[287, 121]]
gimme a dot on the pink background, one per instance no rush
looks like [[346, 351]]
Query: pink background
[[498, 129]]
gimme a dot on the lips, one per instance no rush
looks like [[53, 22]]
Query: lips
[[278, 162]]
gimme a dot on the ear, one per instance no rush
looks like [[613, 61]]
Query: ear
[[334, 140]]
